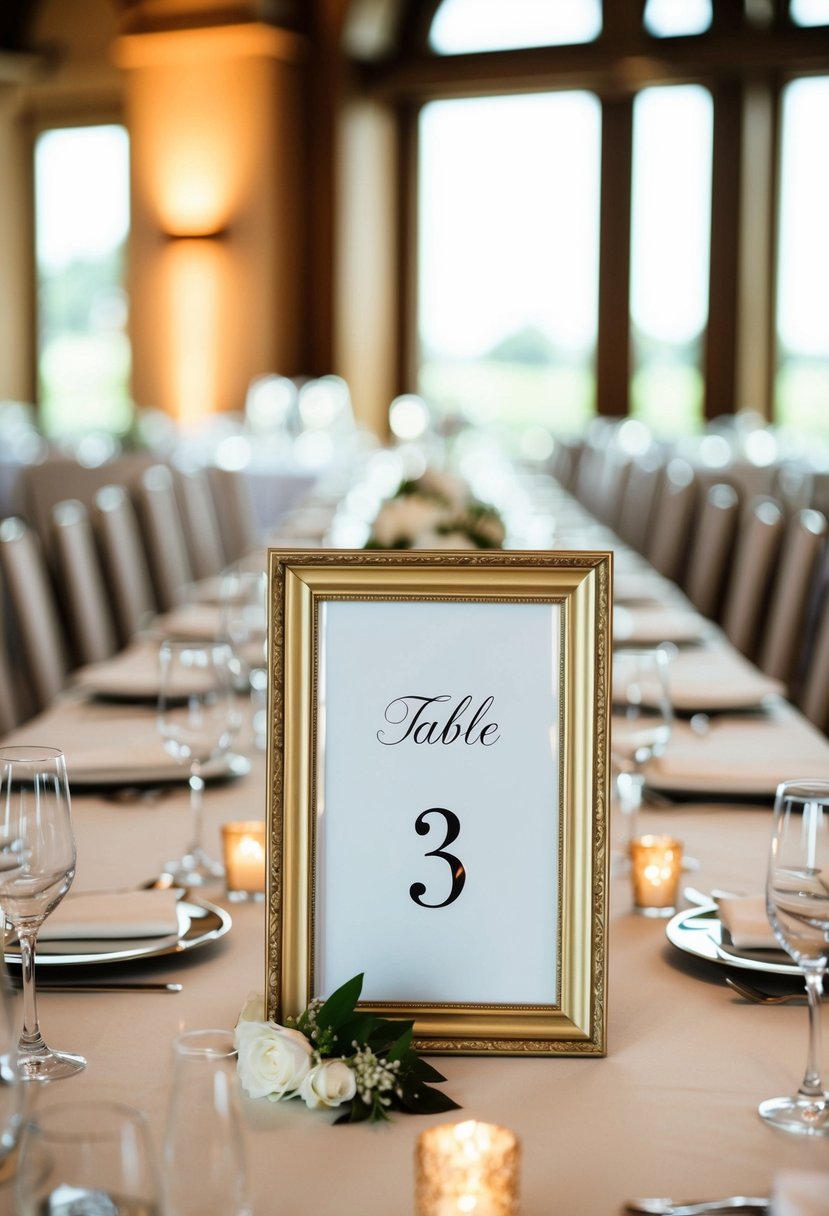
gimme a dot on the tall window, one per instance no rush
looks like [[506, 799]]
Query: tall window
[[81, 224], [508, 267], [802, 386], [671, 203], [463, 26]]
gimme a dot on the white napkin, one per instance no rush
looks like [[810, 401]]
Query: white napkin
[[112, 914], [652, 626], [745, 918], [199, 622], [798, 1193], [135, 673], [136, 756]]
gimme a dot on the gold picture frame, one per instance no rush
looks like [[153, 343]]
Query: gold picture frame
[[321, 604]]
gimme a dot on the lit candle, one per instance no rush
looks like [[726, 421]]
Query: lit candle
[[243, 845], [467, 1169], [656, 866]]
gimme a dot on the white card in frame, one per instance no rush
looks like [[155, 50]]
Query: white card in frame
[[437, 802]]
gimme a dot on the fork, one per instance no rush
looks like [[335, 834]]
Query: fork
[[750, 993], [673, 1207]]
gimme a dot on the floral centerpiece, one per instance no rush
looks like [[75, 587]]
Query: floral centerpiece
[[334, 1055], [436, 511]]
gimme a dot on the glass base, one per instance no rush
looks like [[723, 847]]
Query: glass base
[[46, 1065], [194, 870], [656, 912], [799, 1114]]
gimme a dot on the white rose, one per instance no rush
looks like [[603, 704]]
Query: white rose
[[405, 519], [329, 1083], [253, 1009], [272, 1060], [447, 540]]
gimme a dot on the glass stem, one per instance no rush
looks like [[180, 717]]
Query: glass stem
[[812, 1086], [30, 1036], [196, 784], [630, 787]]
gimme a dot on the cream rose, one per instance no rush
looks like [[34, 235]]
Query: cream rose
[[272, 1060], [404, 519], [329, 1083]]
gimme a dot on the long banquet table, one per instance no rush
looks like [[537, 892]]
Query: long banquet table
[[671, 1110]]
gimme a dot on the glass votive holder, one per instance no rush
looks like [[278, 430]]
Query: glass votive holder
[[467, 1169], [243, 849], [656, 864]]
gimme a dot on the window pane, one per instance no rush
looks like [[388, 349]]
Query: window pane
[[809, 12], [461, 26], [81, 224], [508, 214], [802, 389], [672, 135], [668, 18]]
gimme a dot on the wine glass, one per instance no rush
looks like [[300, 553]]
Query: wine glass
[[198, 720], [205, 1171], [641, 726], [37, 865], [244, 593], [87, 1157], [797, 902], [11, 1089]]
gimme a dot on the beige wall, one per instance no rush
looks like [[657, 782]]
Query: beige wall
[[216, 138]]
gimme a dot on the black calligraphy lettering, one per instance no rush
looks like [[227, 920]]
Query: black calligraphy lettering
[[418, 719], [453, 826]]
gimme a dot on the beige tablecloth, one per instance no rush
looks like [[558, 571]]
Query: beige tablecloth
[[671, 1110]]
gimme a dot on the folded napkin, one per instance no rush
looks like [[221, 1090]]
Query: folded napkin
[[717, 680], [200, 622], [745, 918], [119, 757], [651, 626], [112, 914], [800, 1193], [749, 756], [135, 673]]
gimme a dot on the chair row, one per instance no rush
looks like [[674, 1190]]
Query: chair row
[[102, 571], [761, 572]]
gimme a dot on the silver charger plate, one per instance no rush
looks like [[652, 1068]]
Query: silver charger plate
[[699, 931], [199, 922]]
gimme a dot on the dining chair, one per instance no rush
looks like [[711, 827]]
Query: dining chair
[[793, 595], [759, 537], [636, 510], [84, 597], [813, 694], [10, 713], [610, 491], [36, 623], [201, 525], [162, 530], [670, 530], [711, 547], [234, 508], [124, 561]]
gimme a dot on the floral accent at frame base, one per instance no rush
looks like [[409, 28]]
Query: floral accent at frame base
[[335, 1056]]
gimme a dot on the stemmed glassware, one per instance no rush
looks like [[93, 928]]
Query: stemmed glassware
[[198, 720], [243, 619], [11, 1089], [641, 727], [37, 865], [87, 1157], [797, 901]]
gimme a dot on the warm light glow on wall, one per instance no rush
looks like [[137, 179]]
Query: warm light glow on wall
[[193, 276]]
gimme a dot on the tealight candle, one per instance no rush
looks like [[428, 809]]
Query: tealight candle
[[243, 845], [467, 1169], [656, 866]]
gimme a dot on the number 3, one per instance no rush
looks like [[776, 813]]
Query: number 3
[[453, 827]]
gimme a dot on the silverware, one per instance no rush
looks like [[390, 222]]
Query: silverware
[[750, 993], [673, 1207], [113, 986]]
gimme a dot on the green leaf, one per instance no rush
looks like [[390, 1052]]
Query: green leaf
[[386, 1033], [402, 1046], [356, 1029], [340, 1005], [422, 1099], [422, 1071]]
